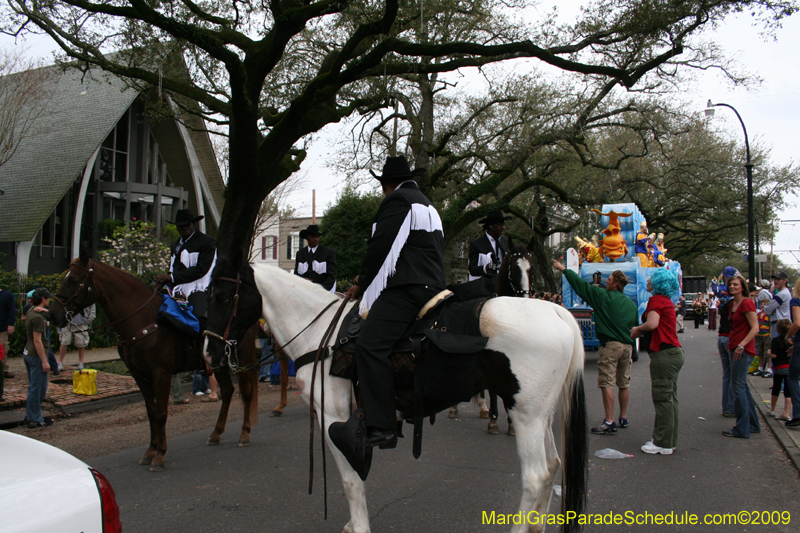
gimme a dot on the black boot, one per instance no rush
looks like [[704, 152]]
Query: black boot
[[351, 439]]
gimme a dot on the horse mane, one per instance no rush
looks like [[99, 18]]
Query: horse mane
[[502, 283], [130, 279]]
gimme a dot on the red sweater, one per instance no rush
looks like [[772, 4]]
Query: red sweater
[[740, 327], [665, 333]]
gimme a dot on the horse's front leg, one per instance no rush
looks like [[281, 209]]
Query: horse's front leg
[[226, 391], [337, 409], [248, 390], [148, 393], [162, 381]]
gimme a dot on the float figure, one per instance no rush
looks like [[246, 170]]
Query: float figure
[[613, 246]]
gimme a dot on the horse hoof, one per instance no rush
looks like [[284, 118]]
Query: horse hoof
[[511, 432], [243, 443], [212, 442], [146, 460], [157, 467], [494, 428], [275, 413], [453, 413], [484, 413]]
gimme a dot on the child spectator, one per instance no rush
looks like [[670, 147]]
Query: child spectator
[[780, 351]]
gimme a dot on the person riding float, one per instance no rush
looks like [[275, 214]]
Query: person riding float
[[402, 270]]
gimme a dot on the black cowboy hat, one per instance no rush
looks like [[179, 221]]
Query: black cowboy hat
[[185, 217], [311, 230], [493, 217], [396, 168]]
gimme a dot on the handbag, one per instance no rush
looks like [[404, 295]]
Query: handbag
[[179, 316], [85, 382]]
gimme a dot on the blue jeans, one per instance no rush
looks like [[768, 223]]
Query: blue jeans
[[725, 358], [267, 345], [199, 383], [794, 380], [37, 388], [746, 411]]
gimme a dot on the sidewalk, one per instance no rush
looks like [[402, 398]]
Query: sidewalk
[[59, 391], [788, 438]]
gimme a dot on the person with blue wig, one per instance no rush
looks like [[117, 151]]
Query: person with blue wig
[[666, 359]]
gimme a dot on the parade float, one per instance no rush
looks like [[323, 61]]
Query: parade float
[[626, 245]]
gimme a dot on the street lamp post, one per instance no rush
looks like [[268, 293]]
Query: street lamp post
[[751, 259]]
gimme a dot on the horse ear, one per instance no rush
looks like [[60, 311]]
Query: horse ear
[[83, 257]]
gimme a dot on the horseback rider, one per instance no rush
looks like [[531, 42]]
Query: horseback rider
[[315, 262], [485, 255], [193, 258], [403, 269], [487, 252]]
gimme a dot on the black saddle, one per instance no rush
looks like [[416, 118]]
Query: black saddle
[[435, 362]]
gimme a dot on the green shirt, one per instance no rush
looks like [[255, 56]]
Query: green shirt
[[614, 313], [35, 323]]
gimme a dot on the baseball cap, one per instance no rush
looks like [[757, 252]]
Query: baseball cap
[[779, 274], [41, 292], [764, 283]]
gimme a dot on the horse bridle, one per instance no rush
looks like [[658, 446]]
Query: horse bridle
[[231, 347], [519, 293], [90, 269]]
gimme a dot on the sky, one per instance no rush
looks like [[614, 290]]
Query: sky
[[770, 111]]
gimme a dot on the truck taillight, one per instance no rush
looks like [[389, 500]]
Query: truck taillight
[[108, 501]]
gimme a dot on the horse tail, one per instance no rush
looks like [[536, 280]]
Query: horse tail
[[574, 439]]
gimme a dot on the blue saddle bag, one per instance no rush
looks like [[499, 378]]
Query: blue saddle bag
[[178, 316]]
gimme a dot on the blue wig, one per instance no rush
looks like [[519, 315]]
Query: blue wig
[[665, 282]]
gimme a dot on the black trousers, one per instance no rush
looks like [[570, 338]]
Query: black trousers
[[389, 317]]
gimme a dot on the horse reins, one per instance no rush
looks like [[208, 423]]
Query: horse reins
[[323, 343], [231, 346]]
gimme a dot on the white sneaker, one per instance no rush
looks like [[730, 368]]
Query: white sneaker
[[60, 367], [651, 448], [80, 366], [198, 393]]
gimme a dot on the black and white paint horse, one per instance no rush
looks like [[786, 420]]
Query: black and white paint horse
[[534, 358]]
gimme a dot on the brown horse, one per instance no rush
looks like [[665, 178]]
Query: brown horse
[[152, 351]]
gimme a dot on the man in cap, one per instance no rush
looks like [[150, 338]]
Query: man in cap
[[35, 355], [402, 270], [486, 252], [193, 258], [315, 262], [778, 307]]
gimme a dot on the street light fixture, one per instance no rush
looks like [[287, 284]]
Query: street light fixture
[[751, 258]]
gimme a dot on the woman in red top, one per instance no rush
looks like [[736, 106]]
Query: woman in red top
[[666, 360], [742, 349]]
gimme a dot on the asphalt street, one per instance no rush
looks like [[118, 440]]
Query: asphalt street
[[464, 471]]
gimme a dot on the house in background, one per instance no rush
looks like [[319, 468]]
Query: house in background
[[266, 247], [290, 239], [93, 157]]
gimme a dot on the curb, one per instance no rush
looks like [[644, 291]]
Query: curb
[[102, 403], [779, 430]]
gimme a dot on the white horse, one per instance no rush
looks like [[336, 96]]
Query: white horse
[[534, 357]]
